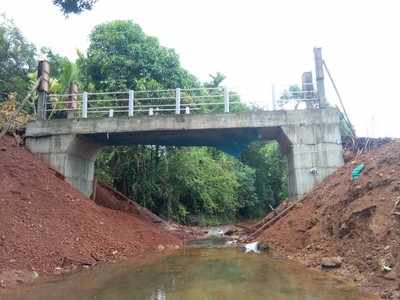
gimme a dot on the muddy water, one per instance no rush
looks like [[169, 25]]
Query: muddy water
[[198, 273]]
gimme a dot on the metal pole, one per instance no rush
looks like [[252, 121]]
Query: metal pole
[[308, 88], [319, 74], [84, 105], [226, 100], [178, 101], [273, 97], [42, 105], [131, 99], [73, 101]]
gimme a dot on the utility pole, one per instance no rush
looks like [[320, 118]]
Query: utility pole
[[319, 74], [43, 75]]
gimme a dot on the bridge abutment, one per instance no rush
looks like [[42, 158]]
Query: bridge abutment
[[314, 152], [70, 155]]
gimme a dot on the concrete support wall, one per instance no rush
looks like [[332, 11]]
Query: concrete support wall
[[315, 151], [70, 155]]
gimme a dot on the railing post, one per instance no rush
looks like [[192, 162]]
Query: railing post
[[111, 113], [308, 89], [226, 99], [273, 94], [130, 105], [72, 99], [84, 105], [178, 101]]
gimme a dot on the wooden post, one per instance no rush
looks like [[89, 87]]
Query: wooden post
[[308, 88], [43, 74], [72, 100], [319, 74]]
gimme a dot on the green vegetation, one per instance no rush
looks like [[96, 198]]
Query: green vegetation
[[17, 60], [189, 184], [74, 6]]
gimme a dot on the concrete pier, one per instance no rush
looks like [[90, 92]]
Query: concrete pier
[[310, 139]]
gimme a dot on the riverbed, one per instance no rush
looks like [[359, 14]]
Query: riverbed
[[197, 273]]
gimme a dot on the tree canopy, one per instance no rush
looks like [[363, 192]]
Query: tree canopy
[[121, 55], [74, 6], [17, 59]]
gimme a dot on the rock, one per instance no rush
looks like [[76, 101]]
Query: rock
[[263, 246], [35, 275], [299, 205], [160, 248], [79, 261], [13, 278], [331, 262], [231, 231]]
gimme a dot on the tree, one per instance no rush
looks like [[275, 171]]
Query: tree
[[17, 60], [215, 81], [74, 6], [271, 173], [294, 93], [120, 54]]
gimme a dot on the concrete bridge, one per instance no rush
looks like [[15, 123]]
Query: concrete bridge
[[310, 138]]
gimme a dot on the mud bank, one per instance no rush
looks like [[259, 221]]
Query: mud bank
[[47, 227], [344, 226]]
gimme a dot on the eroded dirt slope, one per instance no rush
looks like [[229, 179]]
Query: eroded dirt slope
[[358, 221], [45, 224]]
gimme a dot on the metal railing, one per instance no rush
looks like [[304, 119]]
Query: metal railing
[[288, 98], [149, 102]]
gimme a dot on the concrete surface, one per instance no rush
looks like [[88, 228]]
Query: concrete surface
[[310, 139]]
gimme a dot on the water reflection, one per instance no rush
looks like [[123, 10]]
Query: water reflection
[[158, 294], [201, 274]]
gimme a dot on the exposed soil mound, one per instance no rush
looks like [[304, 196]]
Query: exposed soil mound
[[106, 196], [357, 221], [47, 226]]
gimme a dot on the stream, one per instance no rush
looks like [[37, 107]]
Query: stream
[[199, 272]]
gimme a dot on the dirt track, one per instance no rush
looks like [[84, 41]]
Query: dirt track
[[355, 220]]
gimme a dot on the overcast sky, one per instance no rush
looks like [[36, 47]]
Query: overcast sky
[[255, 43]]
